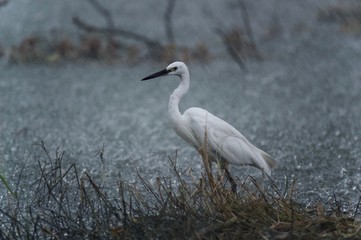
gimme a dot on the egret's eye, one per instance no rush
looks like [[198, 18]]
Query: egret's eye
[[173, 69]]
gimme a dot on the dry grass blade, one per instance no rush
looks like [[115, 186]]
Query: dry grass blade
[[198, 209]]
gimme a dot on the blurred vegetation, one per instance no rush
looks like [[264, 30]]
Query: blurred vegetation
[[94, 47], [348, 16], [118, 45], [112, 44]]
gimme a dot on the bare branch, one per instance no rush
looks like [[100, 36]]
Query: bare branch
[[247, 25], [116, 31], [231, 49], [168, 21], [107, 16], [104, 12], [246, 21], [3, 2], [154, 47]]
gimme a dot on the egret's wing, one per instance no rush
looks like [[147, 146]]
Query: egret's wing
[[270, 161], [201, 122], [224, 141]]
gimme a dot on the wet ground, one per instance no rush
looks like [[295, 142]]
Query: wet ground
[[301, 104]]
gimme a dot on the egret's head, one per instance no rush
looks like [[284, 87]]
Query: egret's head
[[176, 68]]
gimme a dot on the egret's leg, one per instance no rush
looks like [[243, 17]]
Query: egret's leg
[[262, 181], [231, 180], [259, 181], [207, 162]]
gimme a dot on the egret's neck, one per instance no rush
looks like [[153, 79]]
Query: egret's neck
[[173, 109]]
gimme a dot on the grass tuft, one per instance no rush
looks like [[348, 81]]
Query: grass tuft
[[71, 204]]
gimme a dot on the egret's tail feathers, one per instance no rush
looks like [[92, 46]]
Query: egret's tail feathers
[[271, 163]]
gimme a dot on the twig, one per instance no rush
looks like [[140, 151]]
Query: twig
[[149, 188], [124, 205], [103, 197], [246, 21], [103, 11], [3, 2], [168, 21], [106, 14], [42, 145], [357, 206], [231, 50], [116, 31], [100, 152], [247, 26], [173, 162]]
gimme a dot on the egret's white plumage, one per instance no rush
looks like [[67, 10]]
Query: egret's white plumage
[[200, 128]]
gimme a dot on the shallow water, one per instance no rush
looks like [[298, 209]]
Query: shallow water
[[301, 104]]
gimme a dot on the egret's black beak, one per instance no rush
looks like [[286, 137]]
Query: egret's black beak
[[157, 74]]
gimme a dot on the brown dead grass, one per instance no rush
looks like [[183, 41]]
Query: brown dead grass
[[72, 204]]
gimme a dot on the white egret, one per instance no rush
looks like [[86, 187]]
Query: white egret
[[201, 129]]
